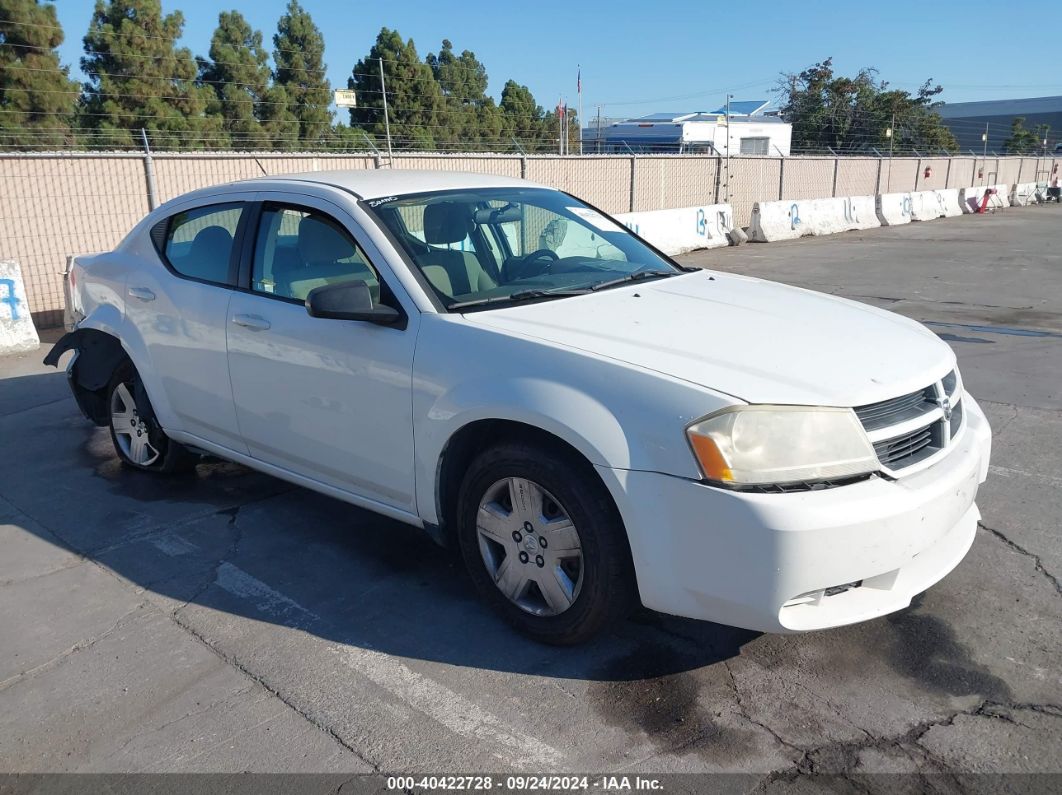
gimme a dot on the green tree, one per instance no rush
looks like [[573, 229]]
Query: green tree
[[524, 120], [853, 113], [238, 75], [138, 78], [468, 117], [1021, 139], [37, 98], [414, 97], [461, 77], [300, 70], [280, 124]]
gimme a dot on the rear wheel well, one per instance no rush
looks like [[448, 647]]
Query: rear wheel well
[[99, 354], [473, 439]]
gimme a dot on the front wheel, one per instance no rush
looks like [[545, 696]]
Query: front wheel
[[544, 543], [138, 439]]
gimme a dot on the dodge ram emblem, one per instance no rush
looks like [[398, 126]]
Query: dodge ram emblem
[[945, 406]]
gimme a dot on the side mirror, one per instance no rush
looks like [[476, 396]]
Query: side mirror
[[350, 301]]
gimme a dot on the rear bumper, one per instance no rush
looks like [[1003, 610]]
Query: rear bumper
[[765, 561]]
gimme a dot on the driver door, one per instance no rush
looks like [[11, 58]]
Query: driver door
[[326, 399]]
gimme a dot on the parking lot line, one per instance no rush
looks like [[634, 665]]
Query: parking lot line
[[452, 710]]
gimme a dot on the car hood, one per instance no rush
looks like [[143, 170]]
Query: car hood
[[759, 341]]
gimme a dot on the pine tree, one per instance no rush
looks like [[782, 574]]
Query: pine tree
[[1021, 139], [524, 120], [238, 75], [37, 98], [413, 95], [280, 125], [461, 77], [299, 57], [469, 118], [138, 78]]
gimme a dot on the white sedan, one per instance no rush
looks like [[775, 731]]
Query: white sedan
[[510, 369]]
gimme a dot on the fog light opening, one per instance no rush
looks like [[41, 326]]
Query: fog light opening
[[838, 589], [816, 597]]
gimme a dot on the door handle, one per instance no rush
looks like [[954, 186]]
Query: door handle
[[253, 322], [143, 293]]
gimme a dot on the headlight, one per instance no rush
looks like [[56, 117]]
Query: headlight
[[761, 445]]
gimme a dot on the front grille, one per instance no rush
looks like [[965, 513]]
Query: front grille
[[897, 410], [907, 449], [939, 404], [956, 419], [950, 381]]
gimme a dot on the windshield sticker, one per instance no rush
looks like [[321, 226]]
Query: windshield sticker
[[595, 218], [378, 202]]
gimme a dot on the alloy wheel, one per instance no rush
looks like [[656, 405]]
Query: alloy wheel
[[130, 430]]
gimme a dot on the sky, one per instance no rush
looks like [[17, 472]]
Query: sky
[[661, 56]]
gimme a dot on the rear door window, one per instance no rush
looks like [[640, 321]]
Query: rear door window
[[199, 242]]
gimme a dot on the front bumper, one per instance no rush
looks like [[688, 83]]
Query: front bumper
[[765, 561]]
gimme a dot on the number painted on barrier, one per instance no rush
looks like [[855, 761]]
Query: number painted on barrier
[[10, 298], [794, 216], [850, 211], [906, 205], [702, 225]]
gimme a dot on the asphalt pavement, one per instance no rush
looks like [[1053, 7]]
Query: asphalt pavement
[[227, 621]]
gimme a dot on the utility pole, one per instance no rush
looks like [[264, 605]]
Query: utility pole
[[387, 119], [598, 147], [984, 156], [889, 135], [149, 172], [728, 98], [562, 111]]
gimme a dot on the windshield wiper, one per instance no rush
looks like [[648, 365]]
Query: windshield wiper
[[536, 295], [518, 297], [633, 277]]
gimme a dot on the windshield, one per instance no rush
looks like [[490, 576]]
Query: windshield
[[496, 246]]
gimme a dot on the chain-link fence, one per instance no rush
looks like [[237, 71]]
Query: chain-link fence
[[56, 205]]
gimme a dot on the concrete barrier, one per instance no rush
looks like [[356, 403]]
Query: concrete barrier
[[684, 229], [949, 202], [925, 206], [893, 209], [1001, 198], [1023, 195], [861, 212], [971, 197], [788, 220], [17, 332]]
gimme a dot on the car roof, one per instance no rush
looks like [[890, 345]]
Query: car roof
[[377, 183]]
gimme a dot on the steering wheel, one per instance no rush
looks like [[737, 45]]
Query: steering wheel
[[525, 264]]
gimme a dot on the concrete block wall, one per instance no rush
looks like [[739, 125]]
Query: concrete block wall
[[56, 205]]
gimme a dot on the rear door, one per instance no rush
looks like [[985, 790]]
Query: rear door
[[326, 399], [180, 312]]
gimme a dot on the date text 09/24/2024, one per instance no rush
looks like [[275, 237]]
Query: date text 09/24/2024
[[524, 783]]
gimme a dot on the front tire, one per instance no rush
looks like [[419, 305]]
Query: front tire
[[544, 543], [138, 439]]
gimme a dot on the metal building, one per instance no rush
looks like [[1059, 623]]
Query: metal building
[[967, 120], [753, 130]]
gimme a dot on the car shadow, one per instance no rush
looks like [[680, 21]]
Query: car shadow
[[232, 540]]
